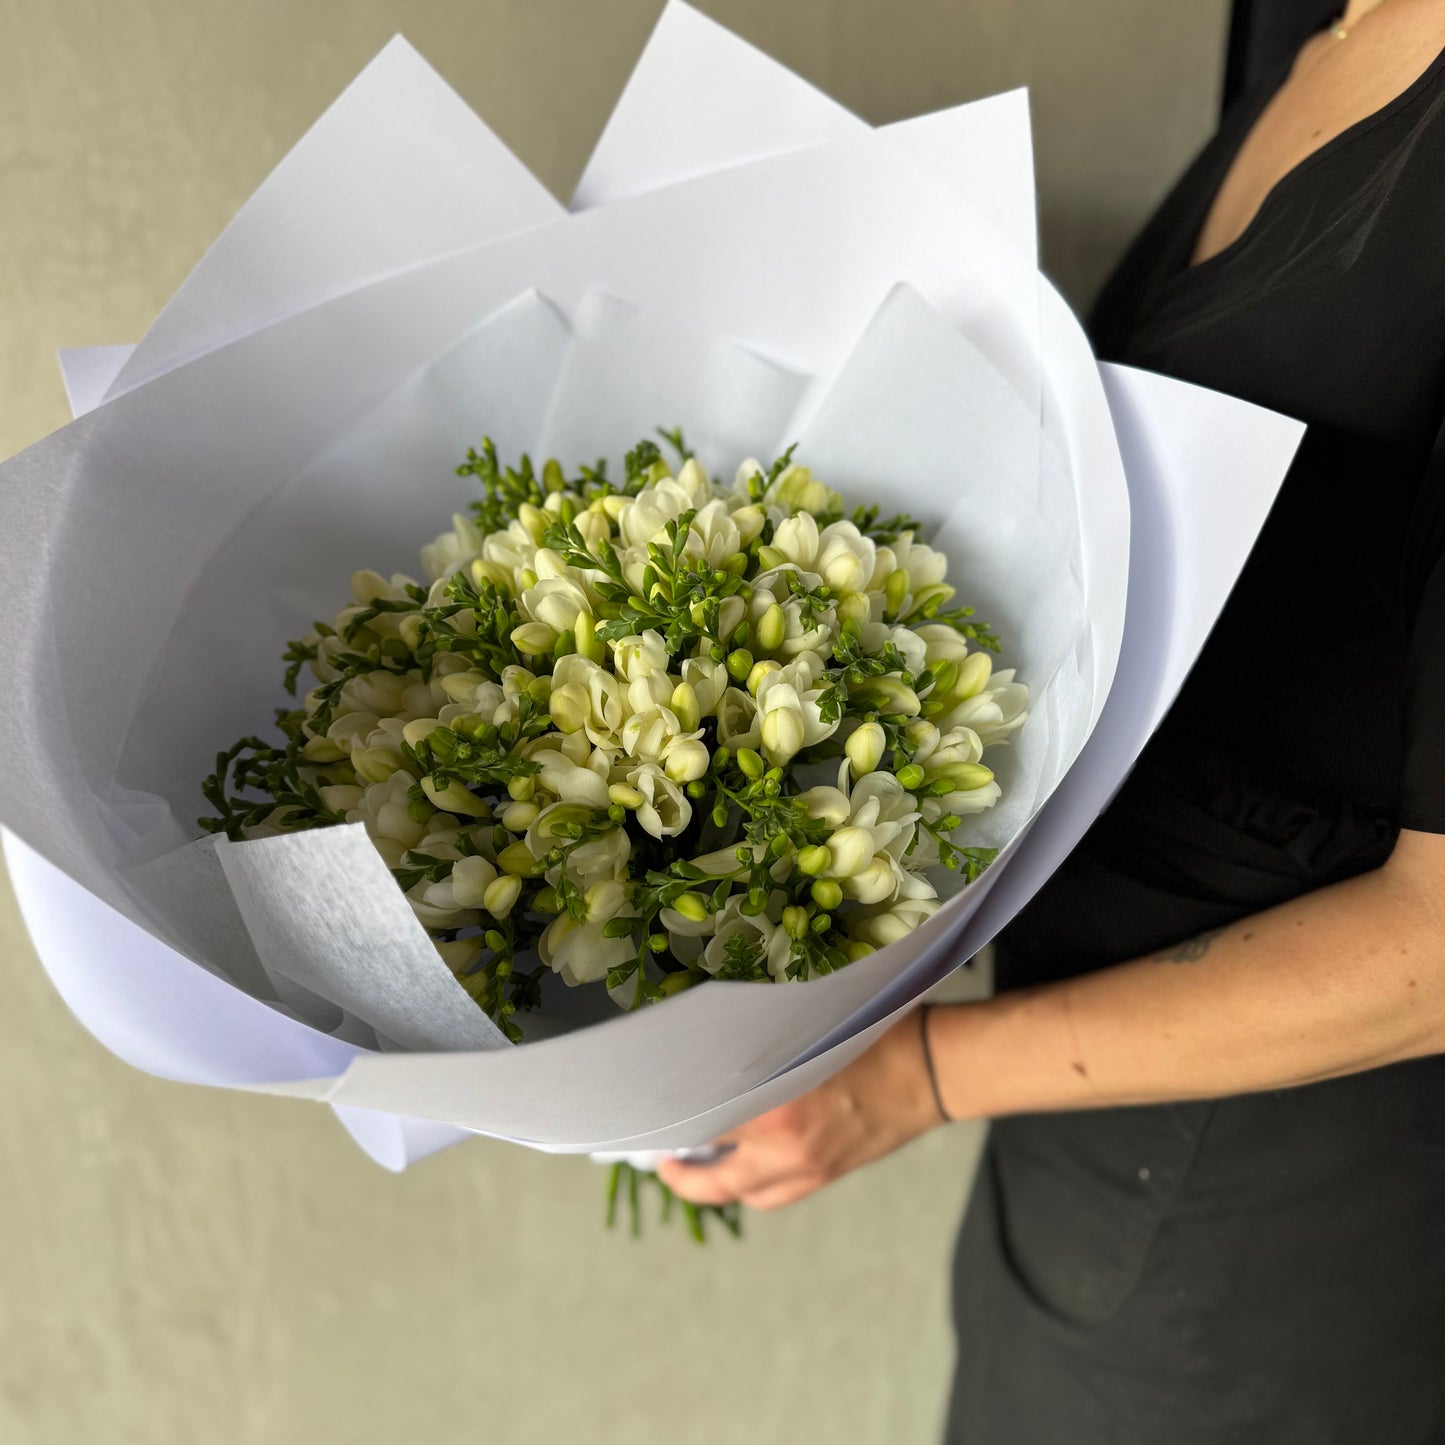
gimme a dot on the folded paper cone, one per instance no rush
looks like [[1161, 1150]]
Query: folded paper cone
[[889, 326]]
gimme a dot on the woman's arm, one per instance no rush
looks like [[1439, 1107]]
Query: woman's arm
[[1348, 978]]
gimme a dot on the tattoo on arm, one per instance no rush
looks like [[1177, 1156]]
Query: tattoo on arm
[[1191, 950]]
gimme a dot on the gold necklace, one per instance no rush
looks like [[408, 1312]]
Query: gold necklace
[[1341, 31]]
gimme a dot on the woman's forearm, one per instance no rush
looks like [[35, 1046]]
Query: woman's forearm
[[1347, 978]]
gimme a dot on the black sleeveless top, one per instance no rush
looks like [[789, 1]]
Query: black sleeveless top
[[1312, 727]]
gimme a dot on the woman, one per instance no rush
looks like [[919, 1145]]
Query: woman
[[1248, 949]]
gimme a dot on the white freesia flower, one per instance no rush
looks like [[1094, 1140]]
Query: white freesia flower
[[789, 718], [840, 554], [581, 952], [770, 590], [556, 602], [640, 655], [451, 551], [593, 700], [796, 490], [886, 923], [737, 720], [664, 811], [387, 812], [993, 713], [874, 636], [714, 535], [652, 734], [760, 939], [513, 550], [943, 643], [655, 506]]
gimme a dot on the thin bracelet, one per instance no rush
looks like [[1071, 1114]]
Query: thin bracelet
[[928, 1062]]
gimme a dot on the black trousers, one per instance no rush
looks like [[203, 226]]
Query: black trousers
[[1267, 1270]]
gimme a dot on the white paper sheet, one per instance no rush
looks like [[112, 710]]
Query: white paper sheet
[[398, 170]]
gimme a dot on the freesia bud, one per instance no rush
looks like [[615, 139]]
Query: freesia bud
[[873, 884], [518, 817], [782, 732], [367, 586], [375, 765], [322, 750], [973, 675], [965, 777], [588, 643], [454, 798], [471, 877], [686, 707], [865, 748], [605, 900], [911, 777], [930, 599], [534, 520], [516, 858], [772, 629], [692, 906], [795, 921], [740, 663], [814, 861], [826, 893], [340, 798], [749, 522], [535, 639], [750, 763], [419, 729], [624, 796], [501, 895], [686, 762], [760, 671], [852, 850], [855, 608], [569, 707], [895, 590]]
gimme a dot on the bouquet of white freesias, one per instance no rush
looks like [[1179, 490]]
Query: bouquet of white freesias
[[732, 721], [608, 736]]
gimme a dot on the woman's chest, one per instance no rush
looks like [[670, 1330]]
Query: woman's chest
[[1333, 87]]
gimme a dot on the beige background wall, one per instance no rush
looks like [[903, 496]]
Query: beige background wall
[[183, 1266]]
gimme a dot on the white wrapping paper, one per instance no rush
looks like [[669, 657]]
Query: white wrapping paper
[[391, 379]]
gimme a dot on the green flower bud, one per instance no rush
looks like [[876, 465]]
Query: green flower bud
[[740, 664], [973, 675], [502, 893], [772, 629], [685, 705], [814, 861], [895, 590], [760, 671], [517, 859], [865, 747], [795, 921], [911, 777], [692, 906], [750, 763], [520, 790], [826, 893]]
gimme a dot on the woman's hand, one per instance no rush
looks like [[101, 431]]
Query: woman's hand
[[878, 1103]]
